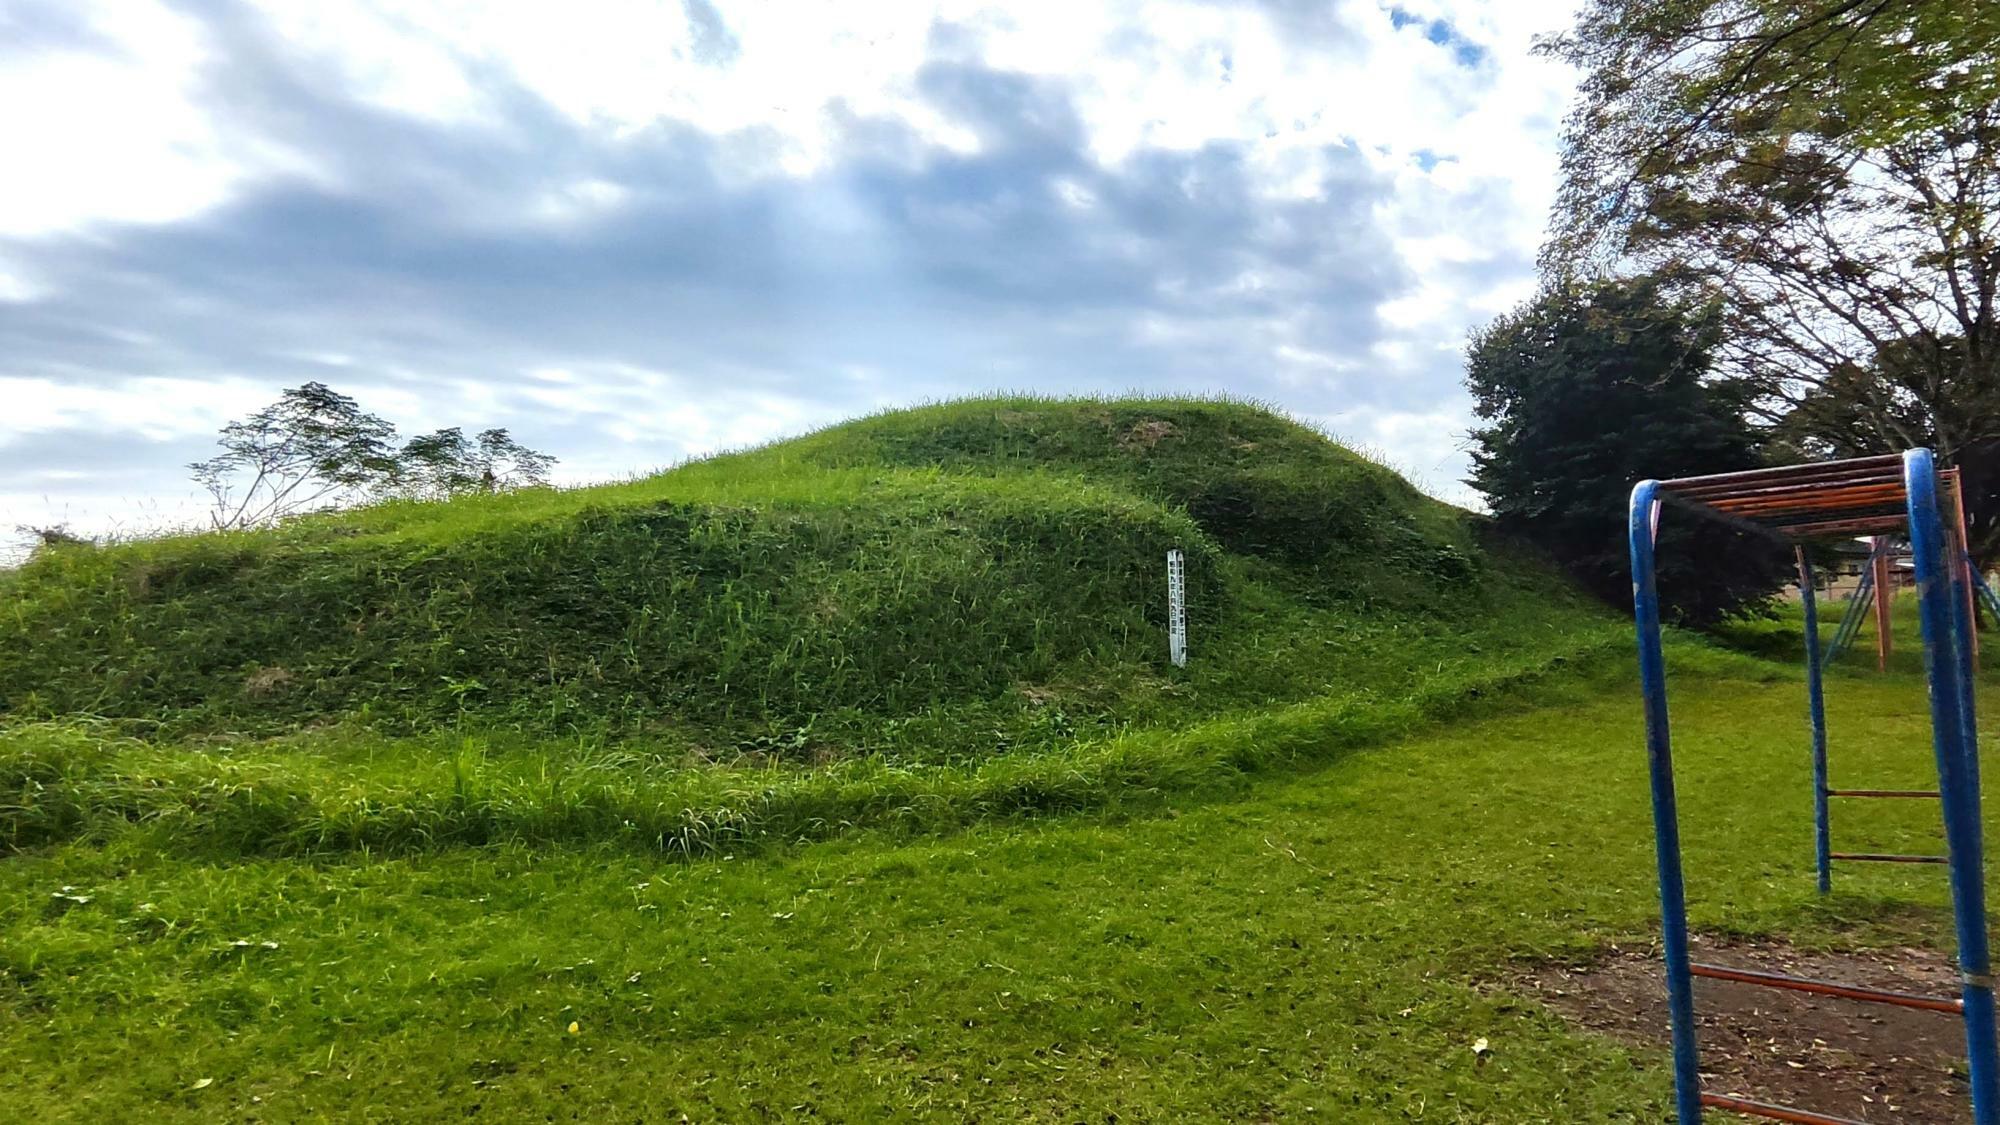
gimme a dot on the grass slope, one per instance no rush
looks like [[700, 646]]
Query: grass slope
[[925, 618], [1323, 946], [949, 580]]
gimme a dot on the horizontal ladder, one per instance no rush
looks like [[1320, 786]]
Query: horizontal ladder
[[1931, 793]]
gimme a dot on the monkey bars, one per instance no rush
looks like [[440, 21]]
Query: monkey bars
[[1890, 495]]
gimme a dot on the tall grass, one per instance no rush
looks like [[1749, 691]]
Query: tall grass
[[969, 594], [341, 791]]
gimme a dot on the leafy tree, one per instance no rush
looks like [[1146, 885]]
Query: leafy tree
[[438, 464], [316, 448], [310, 449], [444, 463], [507, 464], [1587, 389], [1845, 418], [1831, 168]]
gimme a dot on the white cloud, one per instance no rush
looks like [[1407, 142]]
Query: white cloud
[[392, 55], [153, 408], [855, 299], [1427, 446], [16, 286], [113, 132]]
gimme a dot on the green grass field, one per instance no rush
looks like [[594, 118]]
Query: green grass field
[[847, 778], [1320, 941]]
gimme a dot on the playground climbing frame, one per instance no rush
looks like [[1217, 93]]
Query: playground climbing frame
[[1890, 495]]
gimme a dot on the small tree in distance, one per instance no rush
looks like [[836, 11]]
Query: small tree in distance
[[443, 464], [1589, 388], [312, 448], [316, 448]]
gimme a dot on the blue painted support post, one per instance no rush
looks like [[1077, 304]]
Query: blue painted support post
[[1816, 712], [1857, 610], [1644, 521], [1947, 659], [1986, 595]]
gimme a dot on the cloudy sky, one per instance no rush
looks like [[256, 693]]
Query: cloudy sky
[[638, 230]]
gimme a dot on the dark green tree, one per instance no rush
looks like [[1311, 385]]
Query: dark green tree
[[1587, 389], [437, 465]]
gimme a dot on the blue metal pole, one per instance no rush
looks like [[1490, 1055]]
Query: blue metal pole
[[1986, 593], [1816, 711], [1857, 610], [1947, 659], [1865, 593], [1644, 520]]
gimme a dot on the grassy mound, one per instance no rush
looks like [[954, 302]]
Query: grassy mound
[[932, 588], [883, 569], [885, 598]]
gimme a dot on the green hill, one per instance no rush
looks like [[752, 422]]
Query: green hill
[[937, 587]]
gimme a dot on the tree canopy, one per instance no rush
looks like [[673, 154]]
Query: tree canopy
[[316, 448], [1831, 170], [1590, 387]]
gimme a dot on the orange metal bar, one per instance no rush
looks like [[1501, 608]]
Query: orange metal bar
[[1883, 857], [1773, 1112], [1885, 493], [1828, 988], [1887, 462], [1770, 491], [1884, 594], [1881, 523], [1845, 528], [1965, 559]]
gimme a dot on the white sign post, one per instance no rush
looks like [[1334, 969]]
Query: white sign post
[[1177, 608]]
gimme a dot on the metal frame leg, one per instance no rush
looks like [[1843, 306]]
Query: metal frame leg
[[1644, 522], [1885, 593], [1986, 595], [1858, 606], [1816, 713], [1947, 660], [1943, 586]]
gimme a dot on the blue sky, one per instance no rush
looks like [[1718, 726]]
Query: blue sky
[[636, 232]]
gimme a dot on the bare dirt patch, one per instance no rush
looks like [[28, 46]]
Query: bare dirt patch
[[1147, 434], [1871, 1062], [264, 681]]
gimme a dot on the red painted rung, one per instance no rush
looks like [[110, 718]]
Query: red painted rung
[[1883, 793], [1774, 1112], [1829, 988], [1880, 858]]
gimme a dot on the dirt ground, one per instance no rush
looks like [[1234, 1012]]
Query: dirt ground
[[1870, 1062]]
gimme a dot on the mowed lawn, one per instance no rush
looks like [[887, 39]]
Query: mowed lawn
[[1322, 944]]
